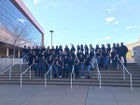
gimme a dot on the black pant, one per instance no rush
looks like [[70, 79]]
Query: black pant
[[66, 71], [76, 69]]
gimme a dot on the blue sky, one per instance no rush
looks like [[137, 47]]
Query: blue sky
[[87, 21]]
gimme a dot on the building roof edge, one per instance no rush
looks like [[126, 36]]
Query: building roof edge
[[22, 7]]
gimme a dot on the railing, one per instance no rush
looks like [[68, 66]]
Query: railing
[[21, 74], [125, 70], [72, 76], [9, 68], [6, 62], [14, 62], [98, 73], [137, 53], [45, 75], [136, 56]]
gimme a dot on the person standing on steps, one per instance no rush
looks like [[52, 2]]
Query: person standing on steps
[[114, 58], [123, 52], [76, 67], [88, 65]]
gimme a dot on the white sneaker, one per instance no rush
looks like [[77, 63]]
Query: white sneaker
[[82, 77]]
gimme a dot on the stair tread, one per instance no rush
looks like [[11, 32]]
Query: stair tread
[[110, 77]]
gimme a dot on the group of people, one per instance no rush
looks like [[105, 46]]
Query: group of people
[[82, 58]]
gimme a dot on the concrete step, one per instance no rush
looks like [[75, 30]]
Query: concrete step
[[68, 80], [93, 76], [110, 77], [122, 84]]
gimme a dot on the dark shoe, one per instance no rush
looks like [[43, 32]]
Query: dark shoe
[[88, 77]]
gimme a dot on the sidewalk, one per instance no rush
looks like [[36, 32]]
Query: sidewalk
[[63, 95], [113, 96]]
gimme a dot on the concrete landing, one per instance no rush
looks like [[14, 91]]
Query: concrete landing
[[63, 95]]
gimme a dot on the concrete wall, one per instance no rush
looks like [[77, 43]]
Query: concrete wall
[[137, 54]]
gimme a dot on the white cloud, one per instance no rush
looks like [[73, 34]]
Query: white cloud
[[104, 39], [114, 6], [107, 37], [110, 19], [109, 10], [55, 4], [50, 3], [116, 22], [132, 27], [27, 5], [22, 20], [35, 2]]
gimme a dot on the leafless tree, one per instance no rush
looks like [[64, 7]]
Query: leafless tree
[[17, 36]]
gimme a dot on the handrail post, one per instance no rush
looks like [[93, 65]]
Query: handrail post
[[71, 81], [45, 81], [98, 74], [48, 72], [10, 73], [28, 69], [123, 73], [131, 84], [73, 72], [98, 77], [97, 69], [13, 58], [20, 66], [20, 80], [100, 81], [72, 76], [125, 70], [51, 73], [30, 73]]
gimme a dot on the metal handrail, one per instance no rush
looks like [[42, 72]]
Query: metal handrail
[[72, 76], [135, 52], [6, 62], [3, 59], [6, 69], [125, 69], [45, 75], [21, 74], [10, 70], [98, 74]]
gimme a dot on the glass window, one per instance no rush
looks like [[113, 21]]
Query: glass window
[[15, 22]]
